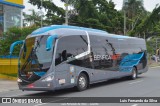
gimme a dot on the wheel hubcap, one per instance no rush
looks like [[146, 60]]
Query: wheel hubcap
[[82, 82], [134, 74]]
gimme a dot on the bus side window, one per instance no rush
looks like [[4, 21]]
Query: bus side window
[[70, 46], [101, 52], [64, 55]]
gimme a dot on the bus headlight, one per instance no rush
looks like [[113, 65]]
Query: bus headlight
[[19, 80], [47, 79]]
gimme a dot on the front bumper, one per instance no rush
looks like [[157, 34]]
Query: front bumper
[[38, 86]]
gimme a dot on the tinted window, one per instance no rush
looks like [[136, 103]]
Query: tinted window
[[103, 49], [131, 46], [69, 47]]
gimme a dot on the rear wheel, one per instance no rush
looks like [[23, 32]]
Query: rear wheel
[[82, 82], [134, 74]]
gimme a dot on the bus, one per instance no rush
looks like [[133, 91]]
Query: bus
[[59, 56]]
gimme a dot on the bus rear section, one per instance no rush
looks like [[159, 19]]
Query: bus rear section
[[116, 56]]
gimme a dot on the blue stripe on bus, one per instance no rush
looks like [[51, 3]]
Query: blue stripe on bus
[[40, 74], [130, 61]]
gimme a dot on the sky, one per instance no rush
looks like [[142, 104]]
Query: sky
[[149, 5]]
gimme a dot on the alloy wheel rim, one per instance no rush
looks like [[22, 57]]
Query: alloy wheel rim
[[134, 74], [82, 82]]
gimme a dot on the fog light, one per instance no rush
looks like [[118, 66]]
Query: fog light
[[48, 84]]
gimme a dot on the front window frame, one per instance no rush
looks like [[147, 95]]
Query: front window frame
[[20, 71]]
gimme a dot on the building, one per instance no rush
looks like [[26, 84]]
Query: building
[[10, 14]]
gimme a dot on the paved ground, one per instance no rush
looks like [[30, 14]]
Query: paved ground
[[147, 85], [7, 85]]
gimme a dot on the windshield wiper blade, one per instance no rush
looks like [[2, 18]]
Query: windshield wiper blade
[[31, 57]]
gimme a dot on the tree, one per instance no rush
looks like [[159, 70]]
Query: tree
[[54, 15], [150, 24], [13, 34], [33, 19], [135, 13], [99, 14]]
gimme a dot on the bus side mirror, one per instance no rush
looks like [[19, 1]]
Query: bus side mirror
[[13, 45], [50, 41]]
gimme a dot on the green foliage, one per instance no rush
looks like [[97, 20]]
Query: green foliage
[[13, 34], [33, 19], [51, 9], [11, 75], [135, 14], [99, 14], [151, 45], [150, 24]]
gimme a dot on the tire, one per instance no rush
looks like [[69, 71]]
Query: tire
[[134, 74], [82, 82]]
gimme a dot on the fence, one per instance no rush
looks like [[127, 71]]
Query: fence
[[8, 65]]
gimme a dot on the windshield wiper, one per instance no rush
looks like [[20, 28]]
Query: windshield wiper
[[37, 44], [32, 57]]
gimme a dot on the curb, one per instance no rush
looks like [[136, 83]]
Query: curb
[[154, 67], [7, 77]]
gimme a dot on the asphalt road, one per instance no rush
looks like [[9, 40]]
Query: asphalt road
[[146, 85]]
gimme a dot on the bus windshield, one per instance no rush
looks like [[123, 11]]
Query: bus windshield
[[34, 60]]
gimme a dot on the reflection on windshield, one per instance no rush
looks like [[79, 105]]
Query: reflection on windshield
[[34, 59]]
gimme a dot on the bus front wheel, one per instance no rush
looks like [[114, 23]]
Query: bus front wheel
[[134, 74], [82, 82]]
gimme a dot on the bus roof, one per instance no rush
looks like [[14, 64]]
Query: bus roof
[[54, 27], [43, 30]]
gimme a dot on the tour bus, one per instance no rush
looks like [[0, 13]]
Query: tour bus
[[59, 56]]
